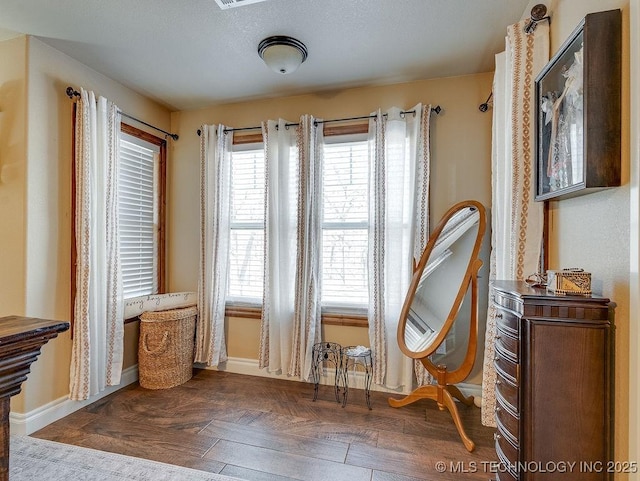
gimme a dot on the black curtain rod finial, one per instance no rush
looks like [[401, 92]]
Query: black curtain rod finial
[[538, 14], [71, 92], [487, 103]]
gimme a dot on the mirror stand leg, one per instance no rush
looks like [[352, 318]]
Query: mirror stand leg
[[456, 393], [423, 392], [450, 403], [445, 399]]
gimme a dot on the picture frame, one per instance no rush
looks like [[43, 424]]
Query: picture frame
[[578, 111]]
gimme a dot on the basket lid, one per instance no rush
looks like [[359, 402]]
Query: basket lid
[[169, 315]]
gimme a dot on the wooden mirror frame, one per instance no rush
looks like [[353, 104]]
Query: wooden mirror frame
[[445, 390]]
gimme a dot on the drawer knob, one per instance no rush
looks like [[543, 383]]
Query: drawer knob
[[497, 437], [498, 382], [498, 409], [499, 315]]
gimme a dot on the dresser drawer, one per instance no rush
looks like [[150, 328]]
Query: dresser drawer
[[504, 475], [507, 321], [507, 367], [508, 391], [507, 345], [507, 421], [508, 454]]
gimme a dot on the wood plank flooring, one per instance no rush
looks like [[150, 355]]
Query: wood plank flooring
[[261, 429]]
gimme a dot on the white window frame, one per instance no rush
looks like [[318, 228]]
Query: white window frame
[[346, 308], [158, 146], [234, 300]]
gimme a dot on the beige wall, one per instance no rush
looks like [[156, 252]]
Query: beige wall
[[37, 213], [592, 231], [13, 152], [461, 147]]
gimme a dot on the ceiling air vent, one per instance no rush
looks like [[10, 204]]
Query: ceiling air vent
[[224, 4]]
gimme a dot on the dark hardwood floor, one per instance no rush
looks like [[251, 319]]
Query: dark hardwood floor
[[261, 429]]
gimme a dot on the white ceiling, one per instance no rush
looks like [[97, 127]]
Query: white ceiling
[[190, 54]]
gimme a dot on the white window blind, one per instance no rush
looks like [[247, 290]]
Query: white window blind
[[345, 225], [138, 194], [246, 263]]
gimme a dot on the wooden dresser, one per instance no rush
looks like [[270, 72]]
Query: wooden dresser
[[554, 362], [21, 339]]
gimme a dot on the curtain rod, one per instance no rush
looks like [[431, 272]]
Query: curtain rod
[[437, 109], [71, 92]]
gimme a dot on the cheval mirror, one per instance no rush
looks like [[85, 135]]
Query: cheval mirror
[[443, 277]]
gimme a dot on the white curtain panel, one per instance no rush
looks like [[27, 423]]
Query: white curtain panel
[[398, 219], [422, 169], [98, 331], [215, 184], [281, 225], [291, 304], [516, 220], [307, 314]]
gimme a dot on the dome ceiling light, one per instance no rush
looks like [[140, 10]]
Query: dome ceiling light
[[282, 54]]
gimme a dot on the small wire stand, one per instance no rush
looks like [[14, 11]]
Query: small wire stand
[[357, 359], [331, 353]]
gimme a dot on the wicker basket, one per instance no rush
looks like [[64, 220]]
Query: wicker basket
[[165, 352]]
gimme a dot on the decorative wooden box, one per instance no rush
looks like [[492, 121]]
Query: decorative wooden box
[[569, 282]]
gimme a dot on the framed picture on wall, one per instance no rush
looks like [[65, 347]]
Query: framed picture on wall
[[578, 98]]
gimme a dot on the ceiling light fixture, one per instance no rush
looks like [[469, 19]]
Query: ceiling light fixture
[[282, 54]]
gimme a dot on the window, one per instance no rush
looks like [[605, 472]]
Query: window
[[345, 225], [345, 213], [141, 210], [246, 251], [142, 200]]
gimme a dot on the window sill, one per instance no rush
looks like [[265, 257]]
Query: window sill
[[243, 311], [329, 319], [354, 320]]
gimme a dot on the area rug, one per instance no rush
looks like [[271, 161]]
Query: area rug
[[33, 459]]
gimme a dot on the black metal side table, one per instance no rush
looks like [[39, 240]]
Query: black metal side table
[[331, 353], [357, 358]]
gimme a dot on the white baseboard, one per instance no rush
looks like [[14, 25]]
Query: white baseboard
[[249, 367], [27, 423]]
